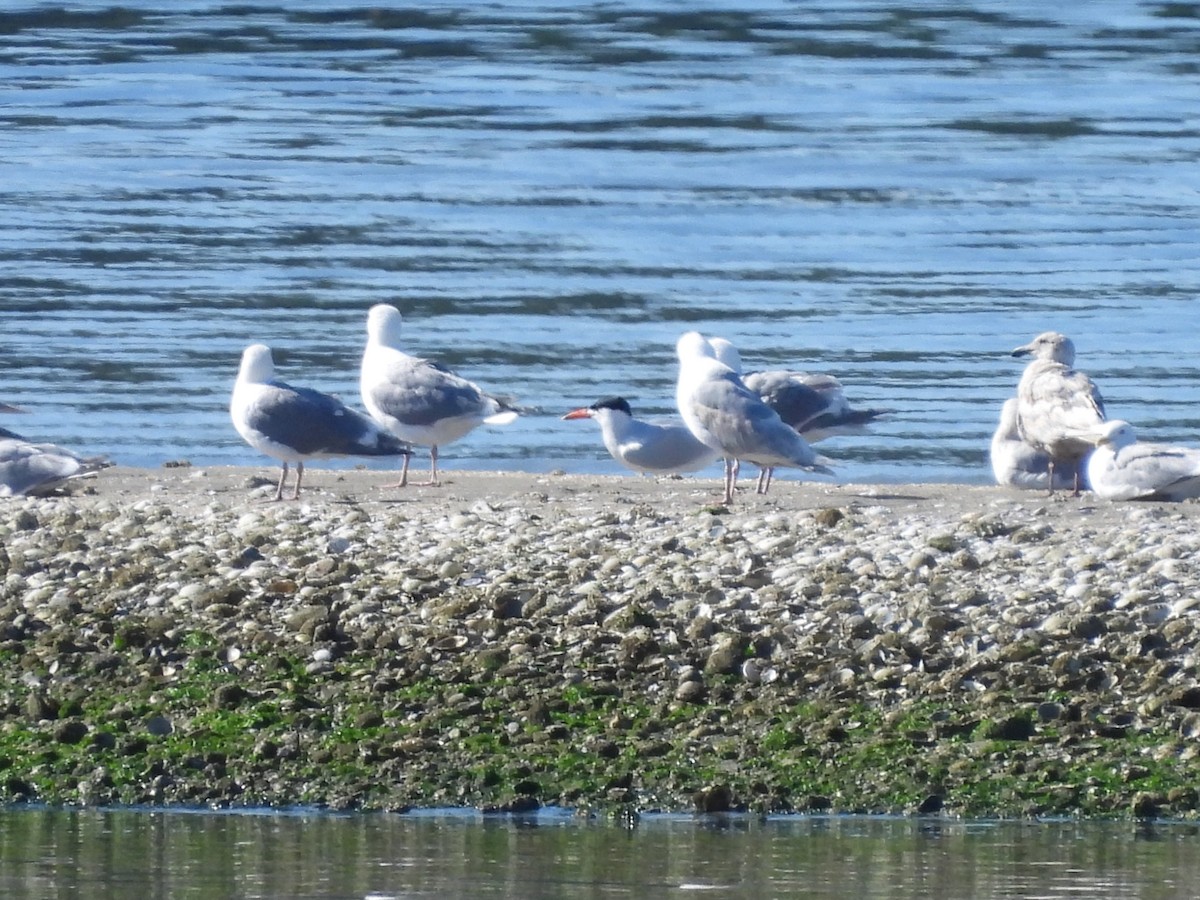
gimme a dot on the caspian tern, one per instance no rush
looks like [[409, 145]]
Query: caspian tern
[[645, 446]]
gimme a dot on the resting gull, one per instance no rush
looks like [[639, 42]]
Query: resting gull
[[33, 469], [645, 446], [293, 424], [1058, 408], [813, 404], [1019, 465], [1123, 468], [725, 415], [416, 399]]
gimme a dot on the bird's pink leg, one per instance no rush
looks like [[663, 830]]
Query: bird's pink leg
[[731, 474], [433, 481], [764, 479], [282, 479], [403, 482]]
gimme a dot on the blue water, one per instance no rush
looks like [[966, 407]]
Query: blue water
[[896, 193]]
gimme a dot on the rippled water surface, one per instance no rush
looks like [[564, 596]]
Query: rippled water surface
[[897, 193], [380, 857]]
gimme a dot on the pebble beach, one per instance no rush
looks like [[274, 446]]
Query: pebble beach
[[608, 644]]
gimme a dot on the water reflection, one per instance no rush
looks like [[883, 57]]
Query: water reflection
[[155, 854]]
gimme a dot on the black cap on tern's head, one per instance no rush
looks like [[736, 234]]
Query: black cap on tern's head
[[588, 412], [617, 403]]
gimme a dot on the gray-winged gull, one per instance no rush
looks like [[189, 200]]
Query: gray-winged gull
[[1017, 464], [725, 415], [1124, 468], [294, 424], [1058, 408], [27, 468], [649, 447], [813, 404], [416, 399]]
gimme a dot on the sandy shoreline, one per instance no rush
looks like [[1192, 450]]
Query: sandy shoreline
[[189, 487], [509, 640]]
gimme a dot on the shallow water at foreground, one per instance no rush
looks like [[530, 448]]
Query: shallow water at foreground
[[128, 853]]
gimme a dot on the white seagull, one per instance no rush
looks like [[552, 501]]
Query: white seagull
[[724, 414], [416, 399], [293, 424], [1123, 468], [645, 446], [813, 404], [1058, 409], [1019, 465], [29, 469]]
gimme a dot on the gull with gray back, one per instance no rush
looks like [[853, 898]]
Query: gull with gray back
[[294, 424]]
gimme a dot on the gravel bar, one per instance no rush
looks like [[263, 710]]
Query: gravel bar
[[609, 644]]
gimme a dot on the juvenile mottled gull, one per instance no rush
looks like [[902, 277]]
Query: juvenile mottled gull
[[813, 404], [1058, 408], [645, 446], [416, 399], [293, 424], [33, 469], [1123, 468], [1017, 464], [725, 415]]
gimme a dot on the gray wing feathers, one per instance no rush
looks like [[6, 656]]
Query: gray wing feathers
[[33, 469], [746, 427], [313, 423], [1157, 470], [424, 395]]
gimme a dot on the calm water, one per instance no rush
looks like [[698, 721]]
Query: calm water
[[378, 857], [898, 193]]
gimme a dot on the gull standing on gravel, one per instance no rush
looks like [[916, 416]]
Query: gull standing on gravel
[[725, 415], [814, 405], [1123, 468], [293, 424], [29, 469], [647, 447], [416, 399], [1017, 464], [1058, 409]]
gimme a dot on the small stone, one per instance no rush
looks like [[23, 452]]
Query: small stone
[[39, 707], [228, 696], [725, 657], [1013, 728], [690, 692], [931, 804], [70, 732], [715, 799], [828, 517], [159, 726], [1145, 805]]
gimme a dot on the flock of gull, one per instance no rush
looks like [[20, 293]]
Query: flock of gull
[[1052, 434]]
